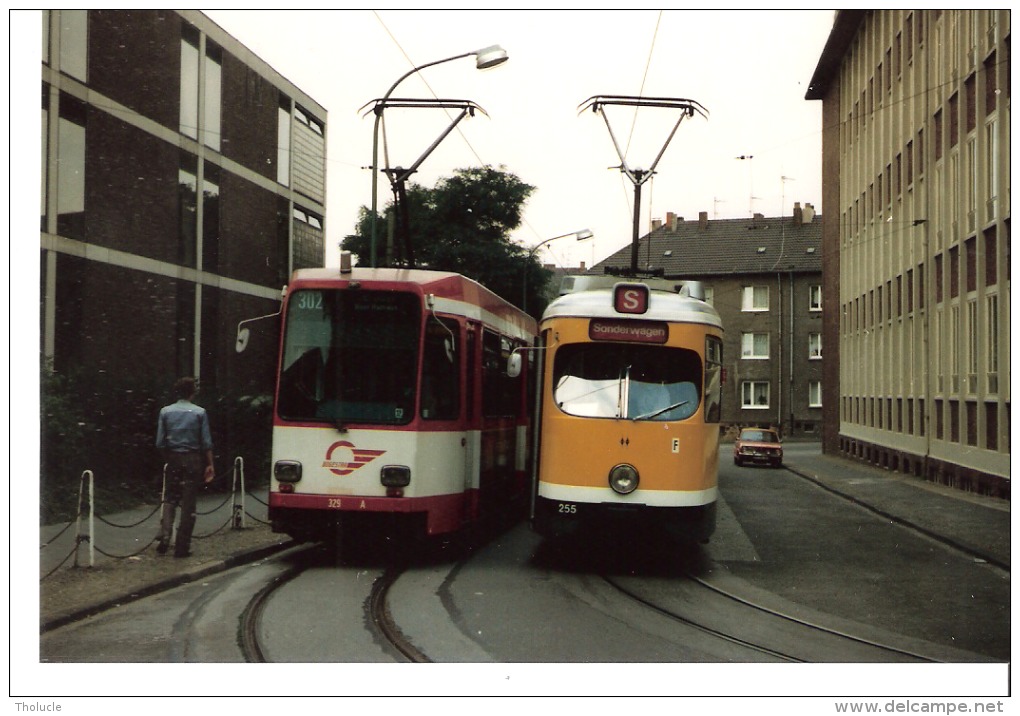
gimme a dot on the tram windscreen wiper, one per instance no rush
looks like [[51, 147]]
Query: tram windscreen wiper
[[657, 413]]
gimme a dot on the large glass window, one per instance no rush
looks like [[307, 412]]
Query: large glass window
[[212, 73], [74, 43], [71, 169], [350, 356], [283, 142], [630, 381], [189, 83]]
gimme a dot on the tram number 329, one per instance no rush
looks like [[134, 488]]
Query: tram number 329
[[567, 509]]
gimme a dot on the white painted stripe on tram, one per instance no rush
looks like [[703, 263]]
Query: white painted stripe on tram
[[648, 498]]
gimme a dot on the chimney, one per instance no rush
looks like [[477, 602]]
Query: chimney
[[671, 220], [582, 267], [656, 224], [809, 213], [798, 213], [703, 220]]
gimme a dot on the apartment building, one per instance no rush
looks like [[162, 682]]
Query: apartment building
[[183, 179], [764, 277], [916, 142]]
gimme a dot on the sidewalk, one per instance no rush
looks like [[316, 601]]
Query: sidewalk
[[119, 562], [976, 524]]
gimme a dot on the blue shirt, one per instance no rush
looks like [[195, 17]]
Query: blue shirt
[[183, 427]]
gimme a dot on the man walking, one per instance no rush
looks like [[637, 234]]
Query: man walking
[[184, 438]]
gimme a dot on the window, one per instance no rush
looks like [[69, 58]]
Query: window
[[211, 218], [306, 119], [754, 345], [334, 342], [189, 83], [499, 391], [991, 349], [713, 379], [283, 142], [631, 381], [212, 73], [74, 26], [816, 298], [187, 207], [440, 372], [814, 393], [972, 346], [189, 104], [756, 298], [71, 169], [710, 295], [754, 394], [814, 346]]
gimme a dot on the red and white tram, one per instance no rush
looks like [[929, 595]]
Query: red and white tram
[[393, 404]]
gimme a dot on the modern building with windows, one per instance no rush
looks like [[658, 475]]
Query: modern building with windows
[[916, 135], [183, 180], [764, 277]]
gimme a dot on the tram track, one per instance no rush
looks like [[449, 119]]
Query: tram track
[[376, 607], [804, 639]]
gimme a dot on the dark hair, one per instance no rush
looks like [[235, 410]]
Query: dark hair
[[184, 387]]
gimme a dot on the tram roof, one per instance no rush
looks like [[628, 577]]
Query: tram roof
[[669, 306], [442, 284]]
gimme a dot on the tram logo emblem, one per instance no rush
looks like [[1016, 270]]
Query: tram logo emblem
[[342, 458]]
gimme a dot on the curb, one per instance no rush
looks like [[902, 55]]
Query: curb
[[189, 575]]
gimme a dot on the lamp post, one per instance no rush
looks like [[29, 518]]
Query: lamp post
[[484, 59], [581, 236]]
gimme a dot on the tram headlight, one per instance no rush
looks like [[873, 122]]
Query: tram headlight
[[287, 471], [395, 476], [623, 479]]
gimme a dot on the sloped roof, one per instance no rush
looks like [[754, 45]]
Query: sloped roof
[[727, 246]]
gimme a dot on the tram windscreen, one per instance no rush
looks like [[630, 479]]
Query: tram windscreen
[[350, 356], [630, 381]]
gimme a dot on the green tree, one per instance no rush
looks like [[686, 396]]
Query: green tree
[[463, 224]]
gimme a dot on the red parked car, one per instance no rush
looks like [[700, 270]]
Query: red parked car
[[758, 445]]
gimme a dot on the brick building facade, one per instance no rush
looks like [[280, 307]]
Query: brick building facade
[[183, 180]]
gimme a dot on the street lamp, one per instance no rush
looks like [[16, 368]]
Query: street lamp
[[484, 59], [581, 236]]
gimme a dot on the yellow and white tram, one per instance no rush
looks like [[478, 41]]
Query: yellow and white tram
[[628, 409]]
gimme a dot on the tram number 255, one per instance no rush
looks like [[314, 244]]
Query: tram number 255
[[567, 509]]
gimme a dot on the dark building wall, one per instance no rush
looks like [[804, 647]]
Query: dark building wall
[[250, 105], [134, 59], [117, 321], [131, 189], [248, 245]]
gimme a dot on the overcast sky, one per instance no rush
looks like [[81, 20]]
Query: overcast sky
[[750, 69]]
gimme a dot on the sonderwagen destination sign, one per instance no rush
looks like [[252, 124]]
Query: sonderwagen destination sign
[[608, 329]]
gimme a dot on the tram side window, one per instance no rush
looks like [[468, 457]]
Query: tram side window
[[499, 391], [440, 373], [713, 379]]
